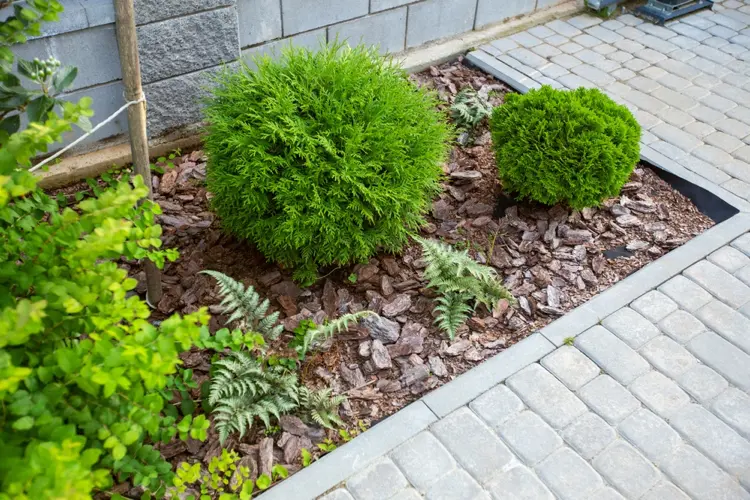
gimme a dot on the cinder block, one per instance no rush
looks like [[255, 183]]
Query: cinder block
[[260, 21], [310, 40], [378, 5], [494, 11], [435, 19], [187, 44], [92, 51], [386, 30], [149, 11], [304, 15], [107, 99]]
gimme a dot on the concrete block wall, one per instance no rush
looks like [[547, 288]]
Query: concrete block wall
[[184, 43]]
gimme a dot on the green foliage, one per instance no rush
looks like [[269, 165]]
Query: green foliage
[[460, 280], [243, 389], [307, 458], [321, 406], [554, 146], [224, 479], [469, 108], [320, 333], [327, 445], [323, 157], [569, 341], [245, 306]]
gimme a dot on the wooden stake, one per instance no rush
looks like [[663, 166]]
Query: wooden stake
[[127, 43]]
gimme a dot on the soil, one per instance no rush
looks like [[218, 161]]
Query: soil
[[551, 259]]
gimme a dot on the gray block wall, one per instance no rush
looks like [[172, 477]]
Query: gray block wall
[[184, 43]]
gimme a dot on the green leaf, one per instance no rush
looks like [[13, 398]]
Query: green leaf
[[23, 423], [263, 482], [64, 78], [10, 124], [38, 108]]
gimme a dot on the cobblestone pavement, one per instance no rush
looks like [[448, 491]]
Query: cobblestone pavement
[[688, 83], [652, 403]]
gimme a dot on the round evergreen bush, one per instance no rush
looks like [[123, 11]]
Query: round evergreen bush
[[323, 157], [554, 146]]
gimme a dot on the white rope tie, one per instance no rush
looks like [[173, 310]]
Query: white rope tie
[[74, 143]]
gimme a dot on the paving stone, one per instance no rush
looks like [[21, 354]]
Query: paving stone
[[525, 39], [589, 435], [546, 50], [339, 494], [604, 49], [608, 399], [546, 395], [673, 135], [472, 444], [723, 141], [724, 357], [570, 48], [556, 40], [568, 475], [700, 478], [730, 259], [659, 393], [553, 70], [677, 118], [668, 356], [733, 127], [584, 21], [632, 327], [645, 101], [497, 405], [603, 34], [733, 407], [738, 187], [730, 324], [703, 383], [563, 28], [654, 305], [606, 494], [700, 130], [380, 480], [456, 485], [652, 435], [530, 437], [714, 438], [743, 243], [643, 84], [570, 366], [518, 484], [423, 460], [541, 32], [626, 469], [665, 491], [720, 283], [575, 81], [612, 354], [407, 494]]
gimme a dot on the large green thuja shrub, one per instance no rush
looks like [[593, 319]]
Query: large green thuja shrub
[[323, 157], [575, 147]]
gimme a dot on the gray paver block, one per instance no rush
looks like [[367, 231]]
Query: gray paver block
[[259, 21], [733, 406], [525, 39], [716, 439], [570, 366], [612, 354], [703, 383], [626, 469], [385, 30], [652, 435], [659, 393], [435, 19], [339, 494], [631, 327], [497, 405], [700, 478], [654, 305], [472, 444], [719, 282], [589, 435], [380, 480], [456, 485], [423, 460], [743, 243], [407, 494], [608, 399], [730, 324], [689, 295], [530, 437], [665, 491], [568, 475], [668, 356], [563, 28], [298, 17], [606, 494], [518, 484], [546, 395]]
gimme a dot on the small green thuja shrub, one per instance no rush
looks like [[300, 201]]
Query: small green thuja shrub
[[323, 157], [574, 147]]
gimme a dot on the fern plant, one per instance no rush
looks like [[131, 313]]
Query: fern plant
[[243, 389], [327, 330], [462, 283], [321, 407], [245, 306], [469, 109]]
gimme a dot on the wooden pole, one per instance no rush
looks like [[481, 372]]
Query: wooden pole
[[127, 43]]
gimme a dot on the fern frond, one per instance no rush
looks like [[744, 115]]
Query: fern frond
[[321, 406], [322, 332], [469, 108], [453, 310]]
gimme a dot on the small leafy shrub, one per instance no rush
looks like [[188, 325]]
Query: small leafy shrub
[[575, 147], [462, 283], [321, 406], [469, 108], [323, 157]]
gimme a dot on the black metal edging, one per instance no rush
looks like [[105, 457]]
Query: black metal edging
[[662, 11]]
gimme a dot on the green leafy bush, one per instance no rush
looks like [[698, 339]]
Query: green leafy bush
[[323, 157], [575, 147]]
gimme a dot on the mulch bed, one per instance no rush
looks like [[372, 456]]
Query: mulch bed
[[551, 259]]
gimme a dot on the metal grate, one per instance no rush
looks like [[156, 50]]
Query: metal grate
[[661, 11]]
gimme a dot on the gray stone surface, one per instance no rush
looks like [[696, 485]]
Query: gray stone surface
[[339, 494], [608, 399], [682, 326], [259, 21], [458, 485], [380, 480], [434, 19], [570, 366], [686, 293], [497, 405], [386, 30], [310, 40], [660, 394], [568, 475], [650, 434], [626, 469], [730, 259], [423, 460], [79, 48], [720, 283], [700, 478], [519, 483], [589, 435], [631, 327], [302, 15], [148, 11], [733, 407], [612, 354], [668, 356], [530, 437], [728, 323], [702, 383], [723, 357], [665, 491], [378, 5], [493, 11], [188, 44], [654, 305], [546, 395]]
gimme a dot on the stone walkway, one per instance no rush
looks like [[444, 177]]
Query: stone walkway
[[651, 404], [688, 83]]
